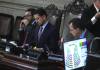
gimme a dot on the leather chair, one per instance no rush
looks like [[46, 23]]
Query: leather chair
[[16, 28], [54, 15], [93, 58], [95, 46], [55, 18], [6, 25]]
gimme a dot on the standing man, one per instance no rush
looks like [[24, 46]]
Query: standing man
[[30, 27], [46, 36], [91, 18]]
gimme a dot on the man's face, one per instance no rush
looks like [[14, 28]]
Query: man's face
[[74, 31], [28, 15], [40, 19], [97, 4]]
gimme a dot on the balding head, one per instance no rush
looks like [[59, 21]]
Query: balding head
[[97, 3]]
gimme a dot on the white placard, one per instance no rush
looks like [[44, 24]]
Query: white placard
[[75, 53]]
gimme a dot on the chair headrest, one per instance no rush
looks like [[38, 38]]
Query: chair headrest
[[95, 46]]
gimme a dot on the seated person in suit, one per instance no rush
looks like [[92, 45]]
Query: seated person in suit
[[46, 36], [29, 27], [78, 31]]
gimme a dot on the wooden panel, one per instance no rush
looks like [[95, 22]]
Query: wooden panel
[[12, 62]]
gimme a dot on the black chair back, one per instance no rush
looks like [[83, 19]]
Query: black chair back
[[6, 25], [93, 59], [95, 46]]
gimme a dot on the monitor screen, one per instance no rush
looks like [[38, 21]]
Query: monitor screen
[[75, 54]]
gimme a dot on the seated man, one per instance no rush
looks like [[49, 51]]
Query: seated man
[[78, 31]]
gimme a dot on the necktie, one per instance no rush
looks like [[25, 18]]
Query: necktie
[[40, 32]]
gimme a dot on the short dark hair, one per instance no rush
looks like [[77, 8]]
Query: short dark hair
[[41, 12], [32, 10], [77, 23]]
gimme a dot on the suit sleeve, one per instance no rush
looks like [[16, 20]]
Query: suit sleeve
[[86, 20], [54, 36]]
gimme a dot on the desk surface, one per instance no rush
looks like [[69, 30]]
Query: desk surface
[[16, 63]]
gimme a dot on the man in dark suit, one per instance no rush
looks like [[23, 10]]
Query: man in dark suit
[[29, 27], [91, 18], [46, 36], [78, 31]]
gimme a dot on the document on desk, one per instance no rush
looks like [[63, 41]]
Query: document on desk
[[75, 53]]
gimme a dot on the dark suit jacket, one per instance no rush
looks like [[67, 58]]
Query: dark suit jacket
[[30, 29], [48, 40], [27, 33], [86, 19]]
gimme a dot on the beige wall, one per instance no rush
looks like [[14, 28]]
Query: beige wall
[[17, 7]]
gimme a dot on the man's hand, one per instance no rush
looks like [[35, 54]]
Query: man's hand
[[97, 15], [23, 23], [38, 49]]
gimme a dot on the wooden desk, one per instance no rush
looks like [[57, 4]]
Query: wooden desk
[[12, 62], [15, 62], [93, 62]]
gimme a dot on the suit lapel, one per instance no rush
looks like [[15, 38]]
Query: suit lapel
[[93, 10], [36, 34], [45, 32]]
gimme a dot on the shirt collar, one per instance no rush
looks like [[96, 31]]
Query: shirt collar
[[83, 34], [33, 22], [44, 25]]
